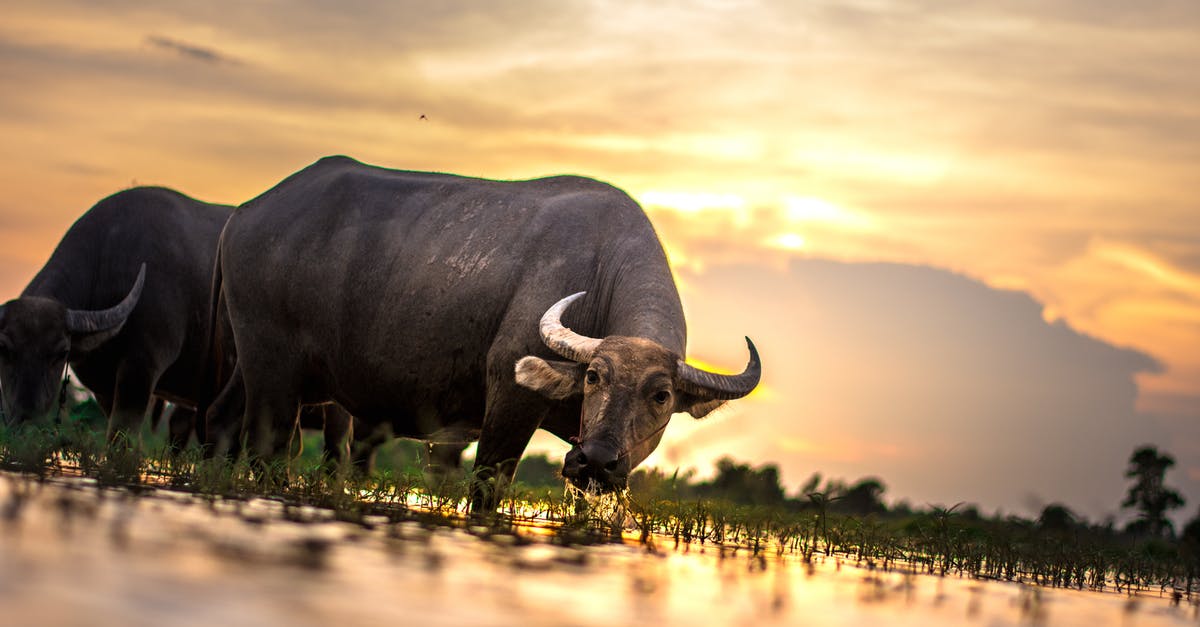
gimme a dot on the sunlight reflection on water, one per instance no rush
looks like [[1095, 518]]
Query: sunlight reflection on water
[[75, 554]]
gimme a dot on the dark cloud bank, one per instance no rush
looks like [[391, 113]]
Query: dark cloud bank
[[955, 391]]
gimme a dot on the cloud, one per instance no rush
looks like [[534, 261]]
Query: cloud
[[950, 390], [191, 51]]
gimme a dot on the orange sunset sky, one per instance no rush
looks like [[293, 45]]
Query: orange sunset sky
[[965, 236]]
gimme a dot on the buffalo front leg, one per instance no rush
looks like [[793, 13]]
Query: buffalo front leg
[[131, 401], [507, 428]]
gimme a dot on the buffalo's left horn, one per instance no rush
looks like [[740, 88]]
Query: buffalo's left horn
[[105, 319], [562, 340], [724, 387]]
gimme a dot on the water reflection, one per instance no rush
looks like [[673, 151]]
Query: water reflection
[[77, 554]]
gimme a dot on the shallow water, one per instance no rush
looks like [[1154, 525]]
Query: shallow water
[[75, 554]]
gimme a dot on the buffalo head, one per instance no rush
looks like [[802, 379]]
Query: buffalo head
[[630, 387], [38, 335]]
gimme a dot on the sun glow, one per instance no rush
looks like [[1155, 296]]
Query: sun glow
[[787, 241], [801, 209]]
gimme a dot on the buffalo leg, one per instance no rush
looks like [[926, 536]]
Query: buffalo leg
[[130, 404], [337, 430], [502, 441], [179, 427], [365, 442], [157, 409], [269, 423], [271, 373], [223, 432]]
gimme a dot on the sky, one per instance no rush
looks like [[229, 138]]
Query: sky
[[965, 236]]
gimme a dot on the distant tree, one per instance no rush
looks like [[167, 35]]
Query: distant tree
[[1148, 494], [970, 511], [1057, 517], [812, 485], [902, 508], [1189, 549], [739, 483], [863, 498]]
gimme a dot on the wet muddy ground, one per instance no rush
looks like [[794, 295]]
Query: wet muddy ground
[[73, 553]]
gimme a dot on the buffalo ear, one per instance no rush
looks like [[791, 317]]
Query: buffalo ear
[[553, 379], [697, 406]]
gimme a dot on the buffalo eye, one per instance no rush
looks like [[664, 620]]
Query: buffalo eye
[[591, 377], [661, 397]]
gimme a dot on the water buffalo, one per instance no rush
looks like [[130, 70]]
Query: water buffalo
[[123, 298], [414, 299]]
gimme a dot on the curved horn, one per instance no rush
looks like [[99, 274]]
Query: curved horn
[[105, 319], [562, 340], [724, 387]]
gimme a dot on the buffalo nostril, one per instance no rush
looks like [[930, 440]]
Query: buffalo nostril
[[611, 466]]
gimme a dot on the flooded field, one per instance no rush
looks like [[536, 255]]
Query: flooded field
[[73, 553]]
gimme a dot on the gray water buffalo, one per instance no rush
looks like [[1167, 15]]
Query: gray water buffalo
[[124, 299], [414, 299]]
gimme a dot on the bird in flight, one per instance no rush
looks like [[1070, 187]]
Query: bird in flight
[[422, 117]]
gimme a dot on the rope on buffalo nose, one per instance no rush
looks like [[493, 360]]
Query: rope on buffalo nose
[[62, 391], [578, 439], [642, 441], [62, 398]]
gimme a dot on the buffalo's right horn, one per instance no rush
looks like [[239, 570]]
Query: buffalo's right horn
[[724, 387], [562, 340], [105, 319]]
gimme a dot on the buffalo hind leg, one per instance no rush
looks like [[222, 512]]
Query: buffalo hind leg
[[180, 424], [338, 431], [157, 409], [365, 442], [269, 425], [223, 421]]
